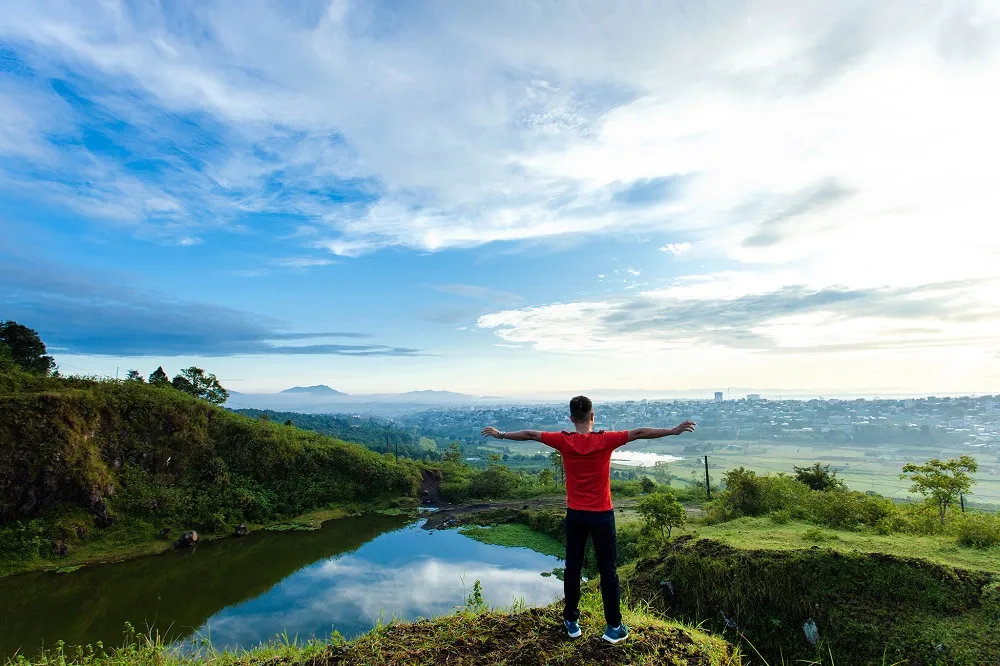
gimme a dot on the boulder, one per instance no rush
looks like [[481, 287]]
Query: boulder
[[59, 549], [81, 532], [164, 532], [242, 530], [186, 539]]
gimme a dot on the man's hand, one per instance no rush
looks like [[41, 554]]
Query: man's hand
[[490, 431], [687, 426]]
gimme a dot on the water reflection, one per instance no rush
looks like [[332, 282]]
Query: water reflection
[[408, 574], [242, 592]]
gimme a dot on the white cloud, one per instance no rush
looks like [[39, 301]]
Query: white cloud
[[632, 271], [676, 249]]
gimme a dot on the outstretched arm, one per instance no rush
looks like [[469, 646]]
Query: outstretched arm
[[656, 433], [517, 436]]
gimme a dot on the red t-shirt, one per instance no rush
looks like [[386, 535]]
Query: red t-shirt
[[587, 460]]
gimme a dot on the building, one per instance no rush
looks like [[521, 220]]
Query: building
[[753, 397], [718, 396]]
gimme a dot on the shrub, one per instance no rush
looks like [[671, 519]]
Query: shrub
[[781, 516], [747, 494], [818, 477], [850, 509], [456, 492], [978, 530], [621, 488]]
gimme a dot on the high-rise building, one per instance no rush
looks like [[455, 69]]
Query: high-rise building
[[718, 396], [753, 397]]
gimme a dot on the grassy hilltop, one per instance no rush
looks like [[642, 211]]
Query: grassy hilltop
[[106, 466]]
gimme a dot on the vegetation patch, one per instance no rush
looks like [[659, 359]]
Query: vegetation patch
[[482, 637], [516, 535], [866, 606], [291, 527]]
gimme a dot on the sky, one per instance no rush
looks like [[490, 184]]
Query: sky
[[507, 198]]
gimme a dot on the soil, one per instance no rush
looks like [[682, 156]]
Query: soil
[[430, 489], [461, 514]]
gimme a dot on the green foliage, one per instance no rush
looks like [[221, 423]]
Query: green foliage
[[555, 459], [134, 376], [625, 488], [546, 477], [978, 530], [818, 477], [748, 494], [867, 606], [159, 378], [661, 511], [516, 535], [159, 458], [195, 381], [941, 482], [25, 348], [647, 485]]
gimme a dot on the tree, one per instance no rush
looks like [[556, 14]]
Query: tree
[[453, 454], [818, 477], [941, 482], [557, 463], [201, 384], [546, 477], [661, 511], [159, 378], [134, 376], [26, 348], [647, 485], [288, 422]]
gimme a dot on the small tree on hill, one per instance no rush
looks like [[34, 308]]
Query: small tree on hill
[[818, 477], [546, 477], [159, 377], [134, 376], [26, 348], [941, 482], [647, 485], [661, 511], [201, 384], [454, 454], [557, 465]]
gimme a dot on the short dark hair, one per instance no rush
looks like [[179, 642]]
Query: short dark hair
[[580, 407]]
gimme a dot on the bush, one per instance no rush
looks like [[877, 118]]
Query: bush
[[456, 492], [978, 530], [747, 494], [851, 510], [818, 477], [621, 488]]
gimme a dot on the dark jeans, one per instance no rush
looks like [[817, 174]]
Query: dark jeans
[[601, 526]]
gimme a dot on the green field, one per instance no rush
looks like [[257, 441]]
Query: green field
[[863, 467]]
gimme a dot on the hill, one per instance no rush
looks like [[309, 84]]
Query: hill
[[471, 637], [85, 461], [320, 389]]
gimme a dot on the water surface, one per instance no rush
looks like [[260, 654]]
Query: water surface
[[239, 592]]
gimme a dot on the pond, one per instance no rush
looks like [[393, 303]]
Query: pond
[[237, 593], [641, 458]]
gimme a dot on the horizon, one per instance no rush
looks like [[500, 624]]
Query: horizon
[[493, 201]]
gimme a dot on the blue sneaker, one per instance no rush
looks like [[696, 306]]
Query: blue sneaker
[[616, 634], [572, 628]]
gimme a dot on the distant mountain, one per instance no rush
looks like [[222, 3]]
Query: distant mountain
[[321, 389]]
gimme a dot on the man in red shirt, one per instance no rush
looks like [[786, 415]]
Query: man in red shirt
[[587, 460]]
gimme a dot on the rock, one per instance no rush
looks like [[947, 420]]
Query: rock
[[186, 539], [81, 532], [164, 532], [811, 631], [242, 530], [59, 549]]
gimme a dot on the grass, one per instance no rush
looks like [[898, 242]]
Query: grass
[[515, 535], [472, 636], [762, 533]]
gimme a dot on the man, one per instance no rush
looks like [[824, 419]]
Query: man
[[587, 460]]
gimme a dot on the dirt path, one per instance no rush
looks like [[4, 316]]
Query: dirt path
[[453, 515]]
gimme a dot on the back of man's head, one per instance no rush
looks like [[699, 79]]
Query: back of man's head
[[580, 408]]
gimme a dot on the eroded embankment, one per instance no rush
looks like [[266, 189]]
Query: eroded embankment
[[866, 607]]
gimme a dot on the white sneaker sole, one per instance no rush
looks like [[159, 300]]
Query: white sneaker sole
[[576, 635], [614, 640]]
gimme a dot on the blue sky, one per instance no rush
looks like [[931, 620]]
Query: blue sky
[[506, 199]]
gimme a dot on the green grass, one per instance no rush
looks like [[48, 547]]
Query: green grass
[[515, 535], [762, 533], [469, 637]]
